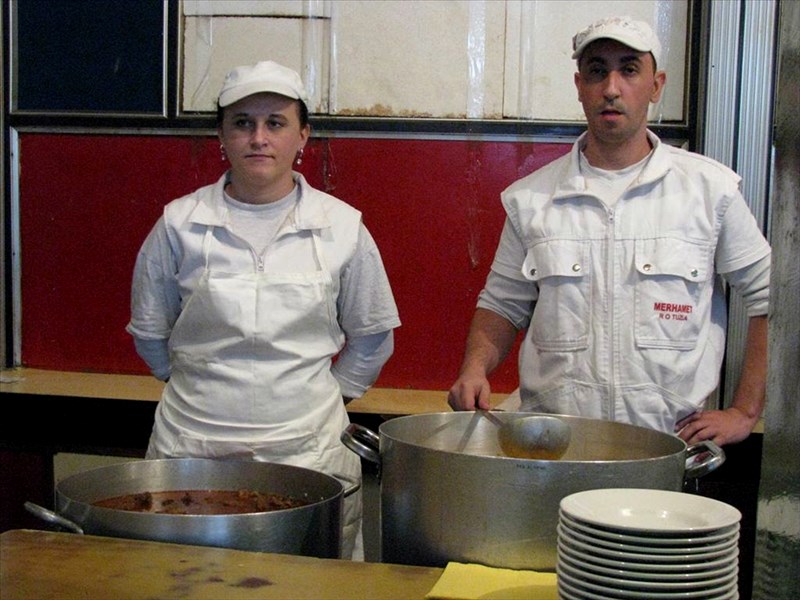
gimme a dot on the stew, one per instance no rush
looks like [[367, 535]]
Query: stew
[[201, 502]]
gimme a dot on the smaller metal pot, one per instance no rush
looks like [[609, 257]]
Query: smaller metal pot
[[311, 530]]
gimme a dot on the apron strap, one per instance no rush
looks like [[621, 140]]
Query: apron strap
[[207, 243], [319, 255]]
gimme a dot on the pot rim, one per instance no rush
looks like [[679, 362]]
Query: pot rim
[[680, 445], [67, 498]]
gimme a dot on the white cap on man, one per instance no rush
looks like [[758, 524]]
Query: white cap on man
[[266, 76], [634, 34]]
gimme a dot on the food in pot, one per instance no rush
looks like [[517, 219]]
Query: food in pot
[[201, 502]]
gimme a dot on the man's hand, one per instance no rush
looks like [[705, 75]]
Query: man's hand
[[735, 423], [490, 338], [720, 426], [469, 392]]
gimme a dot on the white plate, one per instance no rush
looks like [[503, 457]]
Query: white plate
[[582, 589], [662, 536], [638, 510], [651, 551], [649, 567], [568, 591], [577, 590], [578, 563], [725, 533], [620, 583], [666, 572], [564, 529], [697, 557]]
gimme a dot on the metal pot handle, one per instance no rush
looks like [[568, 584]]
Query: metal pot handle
[[351, 490], [362, 441], [51, 517], [702, 458]]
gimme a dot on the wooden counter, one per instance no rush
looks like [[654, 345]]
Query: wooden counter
[[47, 412], [377, 401], [42, 565]]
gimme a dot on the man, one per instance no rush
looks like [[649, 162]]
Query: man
[[609, 257]]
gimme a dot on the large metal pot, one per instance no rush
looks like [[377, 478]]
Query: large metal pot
[[449, 494], [311, 530]]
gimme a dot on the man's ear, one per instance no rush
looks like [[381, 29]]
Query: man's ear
[[577, 79], [659, 81]]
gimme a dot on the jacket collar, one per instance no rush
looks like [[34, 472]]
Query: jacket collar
[[211, 209], [573, 183]]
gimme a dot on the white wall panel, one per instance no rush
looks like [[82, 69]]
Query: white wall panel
[[214, 45], [481, 59], [271, 8], [424, 59]]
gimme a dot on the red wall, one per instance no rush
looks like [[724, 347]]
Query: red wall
[[88, 201]]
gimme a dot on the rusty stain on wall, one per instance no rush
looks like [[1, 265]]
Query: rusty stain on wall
[[473, 203], [380, 110]]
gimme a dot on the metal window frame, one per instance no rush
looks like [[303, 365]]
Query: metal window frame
[[739, 89]]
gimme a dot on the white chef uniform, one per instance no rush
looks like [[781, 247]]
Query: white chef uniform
[[630, 316], [251, 349]]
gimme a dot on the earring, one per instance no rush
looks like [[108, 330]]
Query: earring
[[222, 153], [299, 159]]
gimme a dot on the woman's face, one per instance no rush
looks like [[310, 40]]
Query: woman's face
[[262, 135]]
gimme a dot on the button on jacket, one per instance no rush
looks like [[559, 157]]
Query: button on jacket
[[629, 318]]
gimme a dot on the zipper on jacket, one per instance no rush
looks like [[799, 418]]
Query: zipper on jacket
[[610, 288], [257, 260]]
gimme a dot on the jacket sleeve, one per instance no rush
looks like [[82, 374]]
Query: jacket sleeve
[[365, 303], [752, 284], [155, 300], [155, 354], [361, 361]]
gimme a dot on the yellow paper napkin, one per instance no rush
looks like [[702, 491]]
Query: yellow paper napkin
[[471, 582]]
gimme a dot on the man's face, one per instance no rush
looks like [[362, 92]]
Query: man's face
[[616, 85]]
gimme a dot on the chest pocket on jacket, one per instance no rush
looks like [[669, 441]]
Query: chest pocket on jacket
[[673, 292], [561, 271]]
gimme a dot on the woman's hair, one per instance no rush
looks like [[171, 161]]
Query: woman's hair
[[302, 111]]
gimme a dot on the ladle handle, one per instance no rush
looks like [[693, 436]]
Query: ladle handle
[[51, 517], [491, 416]]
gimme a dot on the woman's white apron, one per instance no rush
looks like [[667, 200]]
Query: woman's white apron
[[250, 375]]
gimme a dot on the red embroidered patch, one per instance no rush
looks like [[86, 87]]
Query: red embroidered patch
[[668, 311]]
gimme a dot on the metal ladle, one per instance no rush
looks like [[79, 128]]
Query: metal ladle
[[538, 437]]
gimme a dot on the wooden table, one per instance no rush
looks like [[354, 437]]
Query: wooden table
[[41, 565]]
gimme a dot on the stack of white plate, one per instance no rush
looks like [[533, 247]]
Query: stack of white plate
[[632, 543]]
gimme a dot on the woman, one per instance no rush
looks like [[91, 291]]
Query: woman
[[245, 291]]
